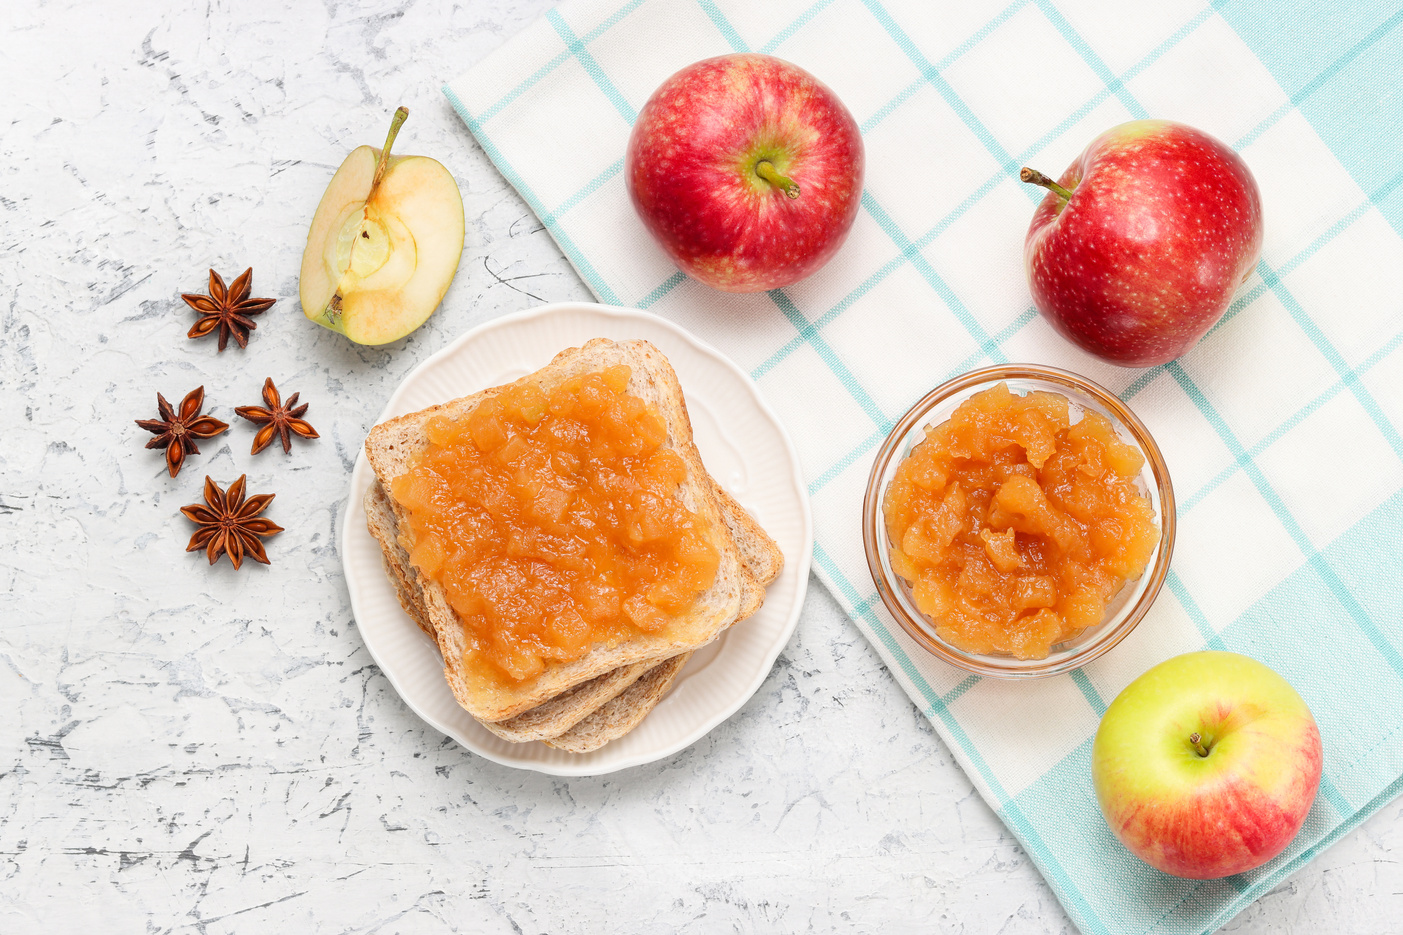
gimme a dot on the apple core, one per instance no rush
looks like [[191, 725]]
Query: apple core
[[363, 245]]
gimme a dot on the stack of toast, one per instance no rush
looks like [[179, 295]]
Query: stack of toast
[[584, 703]]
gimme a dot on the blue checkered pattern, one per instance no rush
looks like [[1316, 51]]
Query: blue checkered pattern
[[1280, 427]]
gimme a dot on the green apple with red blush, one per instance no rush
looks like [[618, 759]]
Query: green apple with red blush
[[1207, 765], [1137, 249], [747, 170]]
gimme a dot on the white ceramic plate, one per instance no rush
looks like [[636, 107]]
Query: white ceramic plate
[[745, 449]]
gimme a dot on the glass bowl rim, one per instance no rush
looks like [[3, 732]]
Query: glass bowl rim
[[874, 533]]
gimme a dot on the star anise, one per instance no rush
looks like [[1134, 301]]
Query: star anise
[[176, 431], [279, 419], [229, 524], [226, 309]]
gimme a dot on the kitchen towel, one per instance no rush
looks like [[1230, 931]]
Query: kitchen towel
[[1280, 428]]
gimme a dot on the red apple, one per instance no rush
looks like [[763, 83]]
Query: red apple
[[747, 170], [1206, 765], [1137, 250]]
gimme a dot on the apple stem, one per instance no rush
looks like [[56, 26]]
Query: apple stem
[[1196, 740], [767, 171], [400, 117], [1037, 178]]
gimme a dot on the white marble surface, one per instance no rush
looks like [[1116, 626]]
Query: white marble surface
[[187, 748]]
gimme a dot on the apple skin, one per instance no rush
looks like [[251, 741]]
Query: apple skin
[[691, 171], [1164, 224], [1206, 817]]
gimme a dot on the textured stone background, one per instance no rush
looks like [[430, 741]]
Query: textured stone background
[[185, 747]]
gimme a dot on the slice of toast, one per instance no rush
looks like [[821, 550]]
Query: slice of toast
[[635, 695], [392, 445], [557, 715]]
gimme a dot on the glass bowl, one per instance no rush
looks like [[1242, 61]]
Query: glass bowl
[[1128, 606]]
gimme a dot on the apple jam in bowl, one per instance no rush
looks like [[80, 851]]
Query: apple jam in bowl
[[1019, 521]]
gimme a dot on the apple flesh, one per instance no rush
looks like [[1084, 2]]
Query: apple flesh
[[1137, 249], [1206, 765], [384, 244], [747, 170]]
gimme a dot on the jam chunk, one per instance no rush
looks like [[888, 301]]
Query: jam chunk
[[1016, 528], [552, 518]]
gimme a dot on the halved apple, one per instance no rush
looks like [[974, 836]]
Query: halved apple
[[384, 244]]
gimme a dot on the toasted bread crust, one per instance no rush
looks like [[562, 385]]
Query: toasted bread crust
[[380, 520], [391, 446], [555, 716], [616, 718], [758, 551]]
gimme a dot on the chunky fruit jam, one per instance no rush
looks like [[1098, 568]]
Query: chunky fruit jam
[[1014, 527], [552, 519]]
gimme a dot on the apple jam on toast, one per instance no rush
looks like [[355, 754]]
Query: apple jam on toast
[[550, 521], [561, 541]]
